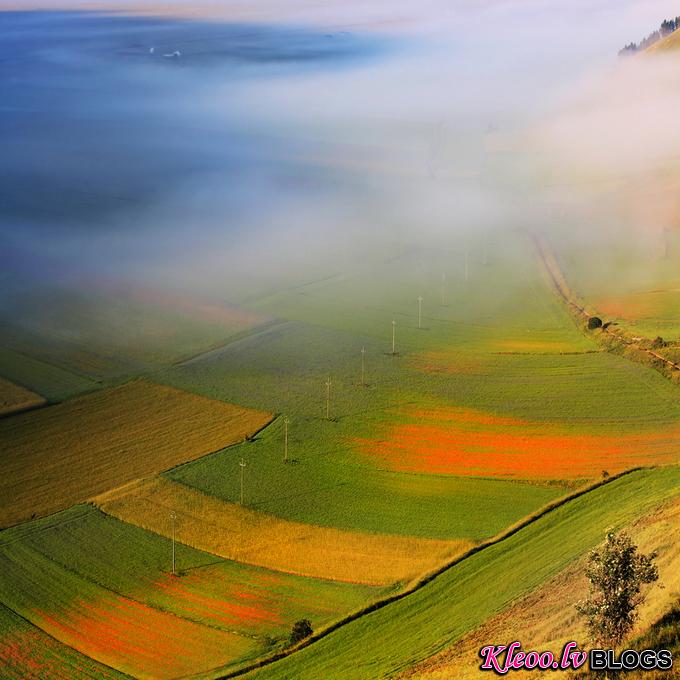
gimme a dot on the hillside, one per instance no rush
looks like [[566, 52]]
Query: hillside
[[381, 643]]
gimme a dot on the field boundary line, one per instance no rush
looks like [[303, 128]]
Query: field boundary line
[[580, 313], [227, 342], [428, 578]]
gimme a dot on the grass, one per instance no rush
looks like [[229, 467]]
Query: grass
[[663, 634], [105, 588], [547, 616], [382, 643], [234, 532], [327, 487], [67, 453], [28, 652], [109, 331], [16, 398], [52, 382], [503, 349], [646, 301]]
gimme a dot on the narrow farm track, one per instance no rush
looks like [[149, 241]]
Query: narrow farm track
[[558, 281]]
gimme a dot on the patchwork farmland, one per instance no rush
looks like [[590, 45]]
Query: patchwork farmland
[[69, 452], [496, 407]]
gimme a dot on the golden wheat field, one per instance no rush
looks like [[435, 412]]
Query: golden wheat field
[[237, 533], [16, 398], [64, 454]]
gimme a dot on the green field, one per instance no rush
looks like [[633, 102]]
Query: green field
[[80, 567], [382, 643], [109, 332], [646, 300], [500, 372], [50, 381], [502, 345]]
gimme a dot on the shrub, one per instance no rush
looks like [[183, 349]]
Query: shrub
[[594, 322], [658, 342], [301, 630]]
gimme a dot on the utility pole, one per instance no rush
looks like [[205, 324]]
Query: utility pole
[[394, 331], [363, 366], [443, 290], [420, 310], [285, 439], [467, 268], [243, 467], [173, 517], [328, 398]]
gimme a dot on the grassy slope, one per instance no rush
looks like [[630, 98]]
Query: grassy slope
[[105, 332], [382, 643], [505, 307], [66, 453], [547, 616], [68, 559], [669, 44], [235, 532], [646, 301], [663, 634], [50, 381]]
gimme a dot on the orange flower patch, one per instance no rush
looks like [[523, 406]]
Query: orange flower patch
[[19, 656], [471, 443], [228, 607], [137, 639]]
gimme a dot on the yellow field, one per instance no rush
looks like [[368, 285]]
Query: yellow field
[[16, 398], [237, 533], [547, 616], [64, 454]]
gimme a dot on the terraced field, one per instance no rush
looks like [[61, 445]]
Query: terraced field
[[64, 454]]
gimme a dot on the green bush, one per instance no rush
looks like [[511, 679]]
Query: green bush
[[301, 630]]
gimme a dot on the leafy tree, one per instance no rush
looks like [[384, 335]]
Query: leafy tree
[[616, 572], [301, 630], [594, 322]]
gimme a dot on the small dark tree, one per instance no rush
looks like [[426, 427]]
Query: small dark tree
[[658, 342], [616, 572], [301, 630], [594, 322]]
